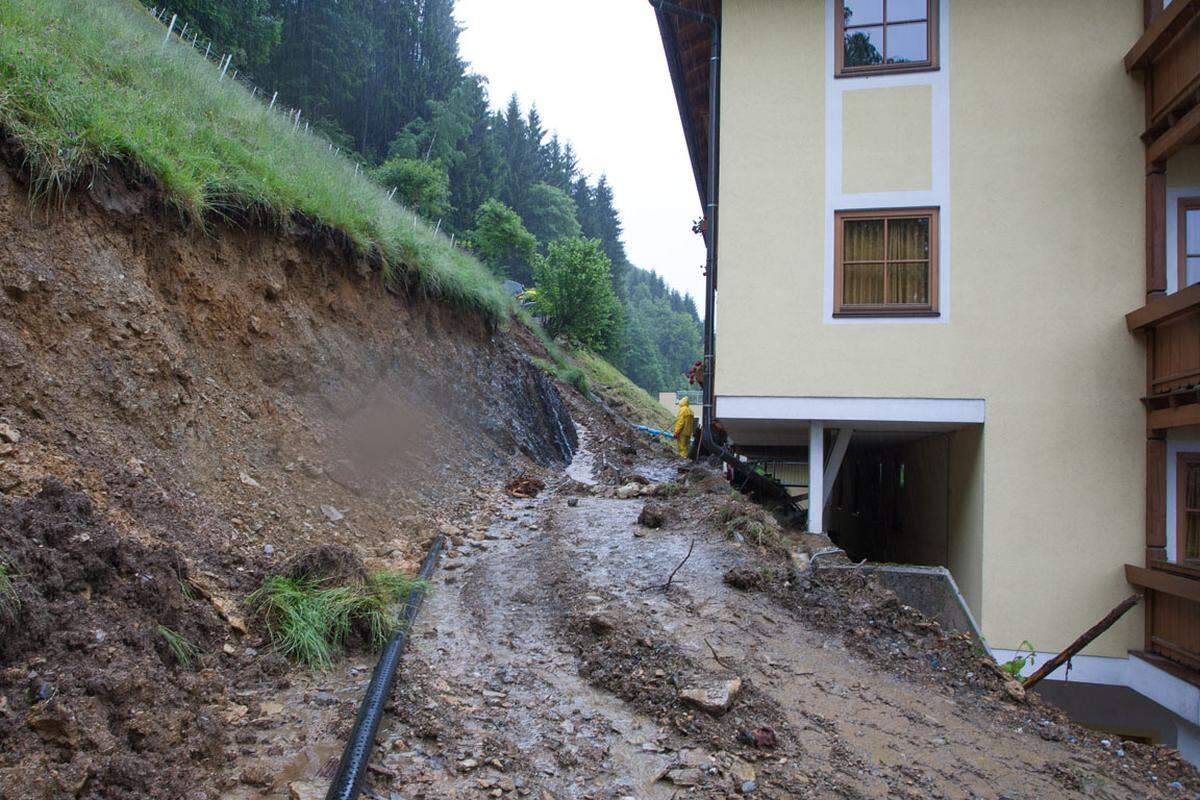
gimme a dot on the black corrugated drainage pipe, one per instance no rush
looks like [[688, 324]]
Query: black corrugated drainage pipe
[[353, 765], [712, 192]]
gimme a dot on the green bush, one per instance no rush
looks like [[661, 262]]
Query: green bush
[[423, 186], [575, 296]]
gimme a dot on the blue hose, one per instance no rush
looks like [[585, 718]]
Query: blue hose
[[655, 431], [352, 767]]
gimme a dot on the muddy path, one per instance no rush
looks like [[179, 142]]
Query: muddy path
[[550, 663]]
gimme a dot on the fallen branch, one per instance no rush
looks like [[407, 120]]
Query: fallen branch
[[671, 577], [1083, 641], [716, 657]]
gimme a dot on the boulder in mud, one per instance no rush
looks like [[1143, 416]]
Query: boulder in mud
[[9, 434], [629, 491], [654, 515], [712, 697], [601, 622], [743, 578]]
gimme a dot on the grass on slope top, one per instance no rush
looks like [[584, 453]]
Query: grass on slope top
[[613, 384], [83, 83]]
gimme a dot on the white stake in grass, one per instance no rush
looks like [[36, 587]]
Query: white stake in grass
[[170, 28], [272, 101], [207, 48], [226, 60]]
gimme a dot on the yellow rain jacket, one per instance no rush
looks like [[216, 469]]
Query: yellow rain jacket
[[685, 425]]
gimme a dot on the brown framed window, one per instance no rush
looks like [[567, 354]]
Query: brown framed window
[[885, 262], [1187, 507], [1189, 241], [878, 36]]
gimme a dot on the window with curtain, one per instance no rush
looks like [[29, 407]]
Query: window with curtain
[[1187, 507], [1189, 241], [886, 36], [885, 262]]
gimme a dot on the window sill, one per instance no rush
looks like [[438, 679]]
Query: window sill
[[876, 314], [1189, 569], [875, 72]]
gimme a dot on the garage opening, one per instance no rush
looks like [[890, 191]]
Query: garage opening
[[891, 500]]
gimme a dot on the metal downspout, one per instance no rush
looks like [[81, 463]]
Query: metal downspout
[[711, 211]]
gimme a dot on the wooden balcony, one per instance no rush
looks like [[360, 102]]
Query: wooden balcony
[[1172, 611], [1168, 55], [1172, 328]]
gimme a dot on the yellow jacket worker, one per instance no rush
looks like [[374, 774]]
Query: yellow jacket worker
[[685, 424]]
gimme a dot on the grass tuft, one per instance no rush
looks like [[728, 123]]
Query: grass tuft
[[186, 654], [9, 600], [83, 85], [310, 623]]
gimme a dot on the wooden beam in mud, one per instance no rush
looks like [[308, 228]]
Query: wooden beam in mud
[[1083, 641]]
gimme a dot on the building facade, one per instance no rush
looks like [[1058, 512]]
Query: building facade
[[935, 218]]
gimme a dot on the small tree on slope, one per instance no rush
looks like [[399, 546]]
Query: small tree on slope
[[575, 296]]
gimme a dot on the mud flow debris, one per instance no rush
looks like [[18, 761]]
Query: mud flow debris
[[524, 485]]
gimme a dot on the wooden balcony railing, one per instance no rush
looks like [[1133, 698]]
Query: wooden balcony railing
[[1172, 328], [1169, 54], [1172, 613]]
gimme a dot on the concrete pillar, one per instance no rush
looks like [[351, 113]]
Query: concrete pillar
[[816, 477]]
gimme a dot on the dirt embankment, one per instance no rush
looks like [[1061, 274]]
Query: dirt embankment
[[182, 410]]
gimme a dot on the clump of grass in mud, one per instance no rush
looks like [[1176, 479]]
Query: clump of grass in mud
[[9, 600], [310, 622], [749, 522], [185, 653]]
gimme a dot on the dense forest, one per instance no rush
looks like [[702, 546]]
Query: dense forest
[[383, 79]]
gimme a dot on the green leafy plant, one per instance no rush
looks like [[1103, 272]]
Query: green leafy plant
[[1018, 662], [185, 653], [310, 622], [575, 292]]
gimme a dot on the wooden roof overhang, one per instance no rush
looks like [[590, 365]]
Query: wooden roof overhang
[[688, 44]]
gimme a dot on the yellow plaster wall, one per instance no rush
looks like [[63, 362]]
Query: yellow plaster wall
[[1045, 219], [887, 139]]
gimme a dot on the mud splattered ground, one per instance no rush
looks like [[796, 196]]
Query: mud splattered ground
[[550, 663]]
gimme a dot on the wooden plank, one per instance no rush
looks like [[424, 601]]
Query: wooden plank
[[1165, 582], [1083, 641], [1176, 137], [1156, 232], [1162, 30], [1161, 419], [1156, 492], [1163, 309]]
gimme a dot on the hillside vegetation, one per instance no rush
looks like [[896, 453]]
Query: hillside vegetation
[[86, 83], [385, 81]]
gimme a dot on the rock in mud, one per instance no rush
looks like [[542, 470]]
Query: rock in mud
[[654, 515], [524, 486], [714, 697], [332, 514], [601, 622], [689, 776], [9, 434], [629, 490], [306, 790], [743, 578]]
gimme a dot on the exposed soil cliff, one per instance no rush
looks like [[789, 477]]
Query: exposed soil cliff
[[180, 410]]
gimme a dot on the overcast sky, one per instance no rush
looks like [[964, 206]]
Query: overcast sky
[[598, 76]]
